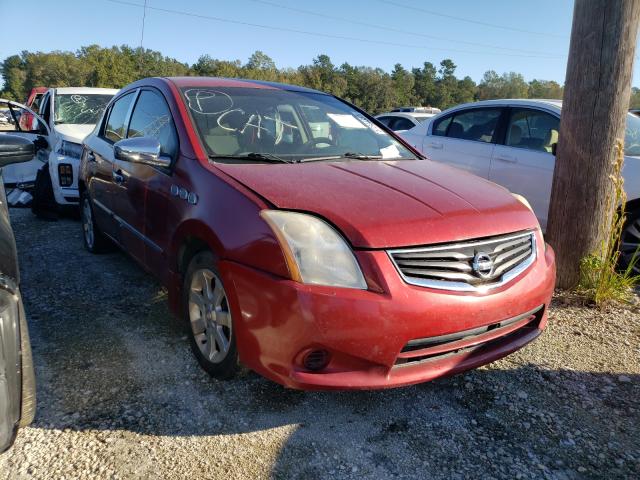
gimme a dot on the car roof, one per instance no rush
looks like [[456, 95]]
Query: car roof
[[202, 82], [406, 114], [555, 104], [86, 91]]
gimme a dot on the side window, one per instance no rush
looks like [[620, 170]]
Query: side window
[[440, 127], [115, 128], [402, 124], [532, 129], [478, 124], [151, 118], [385, 120]]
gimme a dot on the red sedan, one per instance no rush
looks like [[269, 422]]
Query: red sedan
[[299, 237]]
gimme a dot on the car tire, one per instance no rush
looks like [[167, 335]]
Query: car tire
[[94, 240], [208, 318], [630, 242], [44, 205]]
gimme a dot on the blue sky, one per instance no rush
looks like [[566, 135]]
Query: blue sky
[[503, 35]]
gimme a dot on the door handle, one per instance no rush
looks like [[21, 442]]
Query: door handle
[[507, 158], [436, 145], [118, 177], [90, 156]]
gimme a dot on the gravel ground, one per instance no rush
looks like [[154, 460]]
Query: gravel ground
[[120, 396]]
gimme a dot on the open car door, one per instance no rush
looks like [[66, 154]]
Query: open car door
[[20, 177]]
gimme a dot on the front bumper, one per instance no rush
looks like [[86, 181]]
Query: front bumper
[[365, 332]]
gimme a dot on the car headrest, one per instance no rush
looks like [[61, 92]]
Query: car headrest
[[515, 135]]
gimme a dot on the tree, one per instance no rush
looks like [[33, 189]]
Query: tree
[[507, 85], [14, 75], [403, 84], [544, 89], [635, 98], [595, 102], [425, 84], [447, 84], [260, 61]]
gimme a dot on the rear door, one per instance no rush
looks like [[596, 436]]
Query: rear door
[[100, 160], [524, 160], [142, 191], [465, 139]]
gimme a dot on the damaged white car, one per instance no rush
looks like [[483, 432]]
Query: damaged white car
[[71, 114]]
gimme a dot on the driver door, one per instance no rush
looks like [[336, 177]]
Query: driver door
[[142, 191], [100, 164]]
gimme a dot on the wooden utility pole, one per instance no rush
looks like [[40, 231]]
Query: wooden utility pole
[[596, 99]]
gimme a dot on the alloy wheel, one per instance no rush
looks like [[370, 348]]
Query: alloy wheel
[[87, 223], [209, 315]]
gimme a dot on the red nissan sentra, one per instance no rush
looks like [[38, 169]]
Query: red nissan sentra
[[299, 237]]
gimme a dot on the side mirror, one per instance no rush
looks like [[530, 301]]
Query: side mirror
[[144, 150], [554, 148], [15, 149]]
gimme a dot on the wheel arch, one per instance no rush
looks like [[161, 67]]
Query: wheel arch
[[632, 205], [191, 237]]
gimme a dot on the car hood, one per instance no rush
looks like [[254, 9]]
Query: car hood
[[389, 204], [73, 132]]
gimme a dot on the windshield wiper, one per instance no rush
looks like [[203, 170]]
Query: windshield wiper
[[350, 155], [261, 157]]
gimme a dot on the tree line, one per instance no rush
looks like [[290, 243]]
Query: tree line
[[372, 89]]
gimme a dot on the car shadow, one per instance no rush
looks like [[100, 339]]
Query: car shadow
[[109, 357]]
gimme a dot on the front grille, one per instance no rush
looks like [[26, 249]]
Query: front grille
[[467, 266]]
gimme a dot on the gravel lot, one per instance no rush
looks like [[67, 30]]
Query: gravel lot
[[120, 396]]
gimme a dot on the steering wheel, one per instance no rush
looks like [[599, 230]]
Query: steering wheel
[[319, 141]]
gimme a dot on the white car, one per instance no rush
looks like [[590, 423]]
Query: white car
[[512, 143], [400, 121], [71, 114]]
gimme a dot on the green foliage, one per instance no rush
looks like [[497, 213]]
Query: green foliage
[[373, 89], [600, 280], [635, 98]]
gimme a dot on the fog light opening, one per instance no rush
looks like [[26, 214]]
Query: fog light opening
[[316, 360], [65, 175]]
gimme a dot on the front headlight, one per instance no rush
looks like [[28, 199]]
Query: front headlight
[[523, 201], [70, 149], [314, 251], [526, 203]]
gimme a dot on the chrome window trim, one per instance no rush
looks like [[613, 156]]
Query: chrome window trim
[[462, 286]]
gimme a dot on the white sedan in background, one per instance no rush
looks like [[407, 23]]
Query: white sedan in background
[[512, 143], [402, 119]]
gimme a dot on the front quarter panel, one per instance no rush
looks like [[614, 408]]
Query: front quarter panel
[[224, 218]]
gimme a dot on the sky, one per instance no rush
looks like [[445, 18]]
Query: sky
[[530, 38]]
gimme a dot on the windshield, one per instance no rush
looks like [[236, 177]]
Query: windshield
[[632, 136], [84, 109], [294, 126]]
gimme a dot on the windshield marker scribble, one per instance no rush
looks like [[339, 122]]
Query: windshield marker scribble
[[197, 98], [79, 109]]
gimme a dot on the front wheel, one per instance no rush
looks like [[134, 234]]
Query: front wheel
[[44, 204], [630, 243], [94, 240], [208, 314]]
